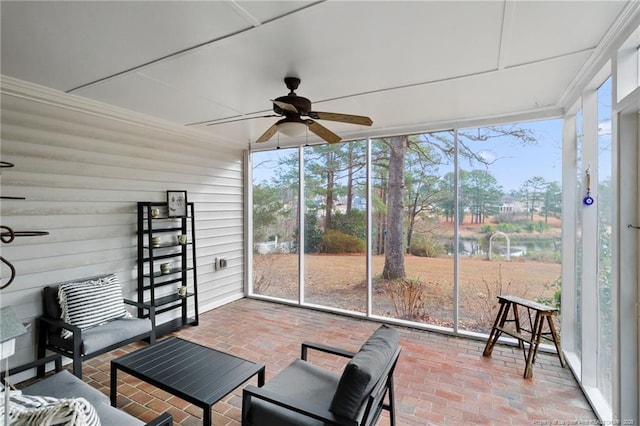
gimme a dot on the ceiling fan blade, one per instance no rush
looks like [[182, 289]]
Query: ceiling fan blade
[[344, 118], [323, 132], [242, 119], [267, 135], [284, 106]]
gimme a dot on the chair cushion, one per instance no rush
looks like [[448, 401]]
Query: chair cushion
[[28, 410], [90, 303], [113, 332], [302, 381], [363, 371]]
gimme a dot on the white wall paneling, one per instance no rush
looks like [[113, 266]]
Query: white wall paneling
[[82, 166]]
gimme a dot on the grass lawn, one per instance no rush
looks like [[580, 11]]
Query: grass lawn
[[339, 281]]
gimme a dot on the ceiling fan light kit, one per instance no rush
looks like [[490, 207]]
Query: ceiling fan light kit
[[294, 107], [292, 127]]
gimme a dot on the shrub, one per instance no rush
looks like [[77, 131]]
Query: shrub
[[423, 246], [488, 229], [539, 226], [351, 223], [312, 234], [508, 227], [339, 242], [408, 297], [556, 300]]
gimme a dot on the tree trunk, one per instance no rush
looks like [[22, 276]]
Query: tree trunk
[[328, 214], [394, 252], [412, 220]]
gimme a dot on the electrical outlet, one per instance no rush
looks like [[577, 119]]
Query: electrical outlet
[[220, 263]]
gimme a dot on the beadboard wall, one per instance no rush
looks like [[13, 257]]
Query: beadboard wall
[[82, 167]]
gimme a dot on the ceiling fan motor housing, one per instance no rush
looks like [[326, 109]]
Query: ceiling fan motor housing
[[303, 105]]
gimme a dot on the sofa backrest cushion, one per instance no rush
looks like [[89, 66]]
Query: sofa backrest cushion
[[363, 371], [51, 304], [90, 303]]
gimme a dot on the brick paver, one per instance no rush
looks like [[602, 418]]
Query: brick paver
[[439, 380]]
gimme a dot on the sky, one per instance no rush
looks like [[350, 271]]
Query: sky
[[515, 162]]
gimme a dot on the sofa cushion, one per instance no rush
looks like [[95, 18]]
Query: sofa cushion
[[66, 385], [112, 416], [302, 381], [111, 333], [90, 303], [363, 371], [28, 410]]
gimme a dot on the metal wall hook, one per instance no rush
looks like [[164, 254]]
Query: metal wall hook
[[630, 226], [13, 273]]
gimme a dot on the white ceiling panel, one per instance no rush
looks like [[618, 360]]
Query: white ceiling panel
[[89, 40], [405, 64], [459, 100], [247, 70], [546, 29], [136, 92]]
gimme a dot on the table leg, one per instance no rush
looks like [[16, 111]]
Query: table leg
[[516, 319], [114, 385], [261, 377], [495, 333], [206, 416], [556, 339], [533, 346]]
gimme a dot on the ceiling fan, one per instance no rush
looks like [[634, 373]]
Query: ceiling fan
[[293, 107]]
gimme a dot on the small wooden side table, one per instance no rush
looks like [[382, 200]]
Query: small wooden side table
[[533, 334]]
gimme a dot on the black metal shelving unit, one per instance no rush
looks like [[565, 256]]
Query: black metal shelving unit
[[159, 287]]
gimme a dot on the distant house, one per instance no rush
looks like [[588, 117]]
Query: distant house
[[511, 205]]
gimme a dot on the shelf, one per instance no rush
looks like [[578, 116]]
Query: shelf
[[167, 218], [165, 245], [171, 272], [160, 284], [160, 289], [172, 298], [162, 230], [169, 326], [162, 256]]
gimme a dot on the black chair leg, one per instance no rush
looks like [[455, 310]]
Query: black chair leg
[[246, 406], [77, 367], [42, 347], [392, 403]]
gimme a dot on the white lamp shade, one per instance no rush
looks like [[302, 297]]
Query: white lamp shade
[[292, 128]]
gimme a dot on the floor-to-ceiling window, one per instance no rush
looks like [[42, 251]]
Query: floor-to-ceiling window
[[510, 220], [412, 222], [579, 202], [592, 338], [335, 225], [275, 223], [605, 321], [494, 222]]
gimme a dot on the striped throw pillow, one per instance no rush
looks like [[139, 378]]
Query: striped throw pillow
[[29, 410], [91, 303]]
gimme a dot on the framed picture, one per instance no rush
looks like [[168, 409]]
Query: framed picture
[[177, 203]]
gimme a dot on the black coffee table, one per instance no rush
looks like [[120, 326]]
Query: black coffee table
[[195, 373]]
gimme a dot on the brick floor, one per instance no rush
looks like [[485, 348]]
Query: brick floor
[[439, 380]]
